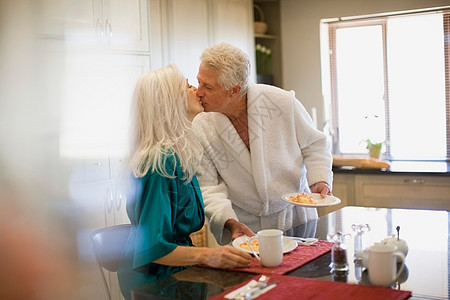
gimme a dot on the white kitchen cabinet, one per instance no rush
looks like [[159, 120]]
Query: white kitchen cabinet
[[190, 26], [105, 46], [95, 105], [101, 202], [107, 49], [94, 123], [125, 24], [392, 190], [403, 191], [232, 22], [121, 179], [107, 24], [186, 34]]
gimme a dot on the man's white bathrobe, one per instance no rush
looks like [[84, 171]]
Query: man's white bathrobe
[[287, 154]]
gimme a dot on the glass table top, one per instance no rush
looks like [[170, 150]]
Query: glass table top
[[427, 261]]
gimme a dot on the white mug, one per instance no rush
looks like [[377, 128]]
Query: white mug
[[270, 247], [382, 264]]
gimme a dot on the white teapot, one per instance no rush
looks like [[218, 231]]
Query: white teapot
[[400, 244]]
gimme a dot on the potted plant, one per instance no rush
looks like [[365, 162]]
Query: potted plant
[[263, 68], [374, 148]]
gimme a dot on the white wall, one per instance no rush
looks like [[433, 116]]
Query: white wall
[[300, 22]]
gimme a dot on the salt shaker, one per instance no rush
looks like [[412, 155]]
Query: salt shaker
[[358, 247], [359, 229]]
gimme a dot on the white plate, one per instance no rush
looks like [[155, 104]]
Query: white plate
[[321, 202], [288, 244]]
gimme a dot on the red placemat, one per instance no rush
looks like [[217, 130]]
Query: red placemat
[[292, 260], [290, 287]]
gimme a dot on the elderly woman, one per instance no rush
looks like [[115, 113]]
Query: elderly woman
[[259, 143], [167, 206]]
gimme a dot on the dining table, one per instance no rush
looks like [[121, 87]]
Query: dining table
[[306, 270]]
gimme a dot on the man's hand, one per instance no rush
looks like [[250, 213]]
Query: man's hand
[[238, 229], [322, 188]]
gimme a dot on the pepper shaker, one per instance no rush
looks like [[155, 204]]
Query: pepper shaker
[[338, 252]]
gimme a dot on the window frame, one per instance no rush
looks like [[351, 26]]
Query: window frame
[[330, 70]]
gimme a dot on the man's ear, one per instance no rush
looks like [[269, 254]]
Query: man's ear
[[235, 90]]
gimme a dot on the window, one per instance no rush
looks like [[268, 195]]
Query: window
[[387, 79]]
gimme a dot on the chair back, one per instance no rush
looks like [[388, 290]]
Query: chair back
[[109, 246]]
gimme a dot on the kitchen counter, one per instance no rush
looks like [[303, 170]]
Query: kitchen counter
[[435, 168]]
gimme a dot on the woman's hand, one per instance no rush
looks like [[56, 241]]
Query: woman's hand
[[217, 257], [227, 257]]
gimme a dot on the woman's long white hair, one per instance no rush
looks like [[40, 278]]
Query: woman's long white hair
[[160, 126]]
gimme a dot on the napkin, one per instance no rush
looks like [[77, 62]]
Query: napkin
[[246, 288]]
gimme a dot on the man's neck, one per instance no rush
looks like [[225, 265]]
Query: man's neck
[[239, 109]]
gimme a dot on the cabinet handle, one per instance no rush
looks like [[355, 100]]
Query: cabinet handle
[[108, 31], [415, 180], [119, 201], [99, 29], [109, 201]]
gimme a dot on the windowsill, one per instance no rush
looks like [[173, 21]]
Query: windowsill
[[441, 168]]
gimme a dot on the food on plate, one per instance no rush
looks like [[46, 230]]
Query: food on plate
[[303, 198], [255, 245]]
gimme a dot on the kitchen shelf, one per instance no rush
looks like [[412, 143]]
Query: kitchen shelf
[[265, 36], [271, 39]]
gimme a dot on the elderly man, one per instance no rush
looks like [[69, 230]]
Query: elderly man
[[259, 143]]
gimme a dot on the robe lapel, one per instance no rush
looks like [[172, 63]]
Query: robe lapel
[[262, 112], [258, 146]]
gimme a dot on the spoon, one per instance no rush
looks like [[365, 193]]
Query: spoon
[[304, 241], [308, 240]]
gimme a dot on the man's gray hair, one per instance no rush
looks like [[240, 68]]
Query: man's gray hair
[[232, 64]]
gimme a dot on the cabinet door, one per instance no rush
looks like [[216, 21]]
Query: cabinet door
[[95, 106], [83, 22], [107, 24], [123, 188], [126, 24], [232, 22], [193, 25], [187, 34], [48, 17], [403, 191]]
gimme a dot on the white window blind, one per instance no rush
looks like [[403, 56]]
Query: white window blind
[[388, 80]]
